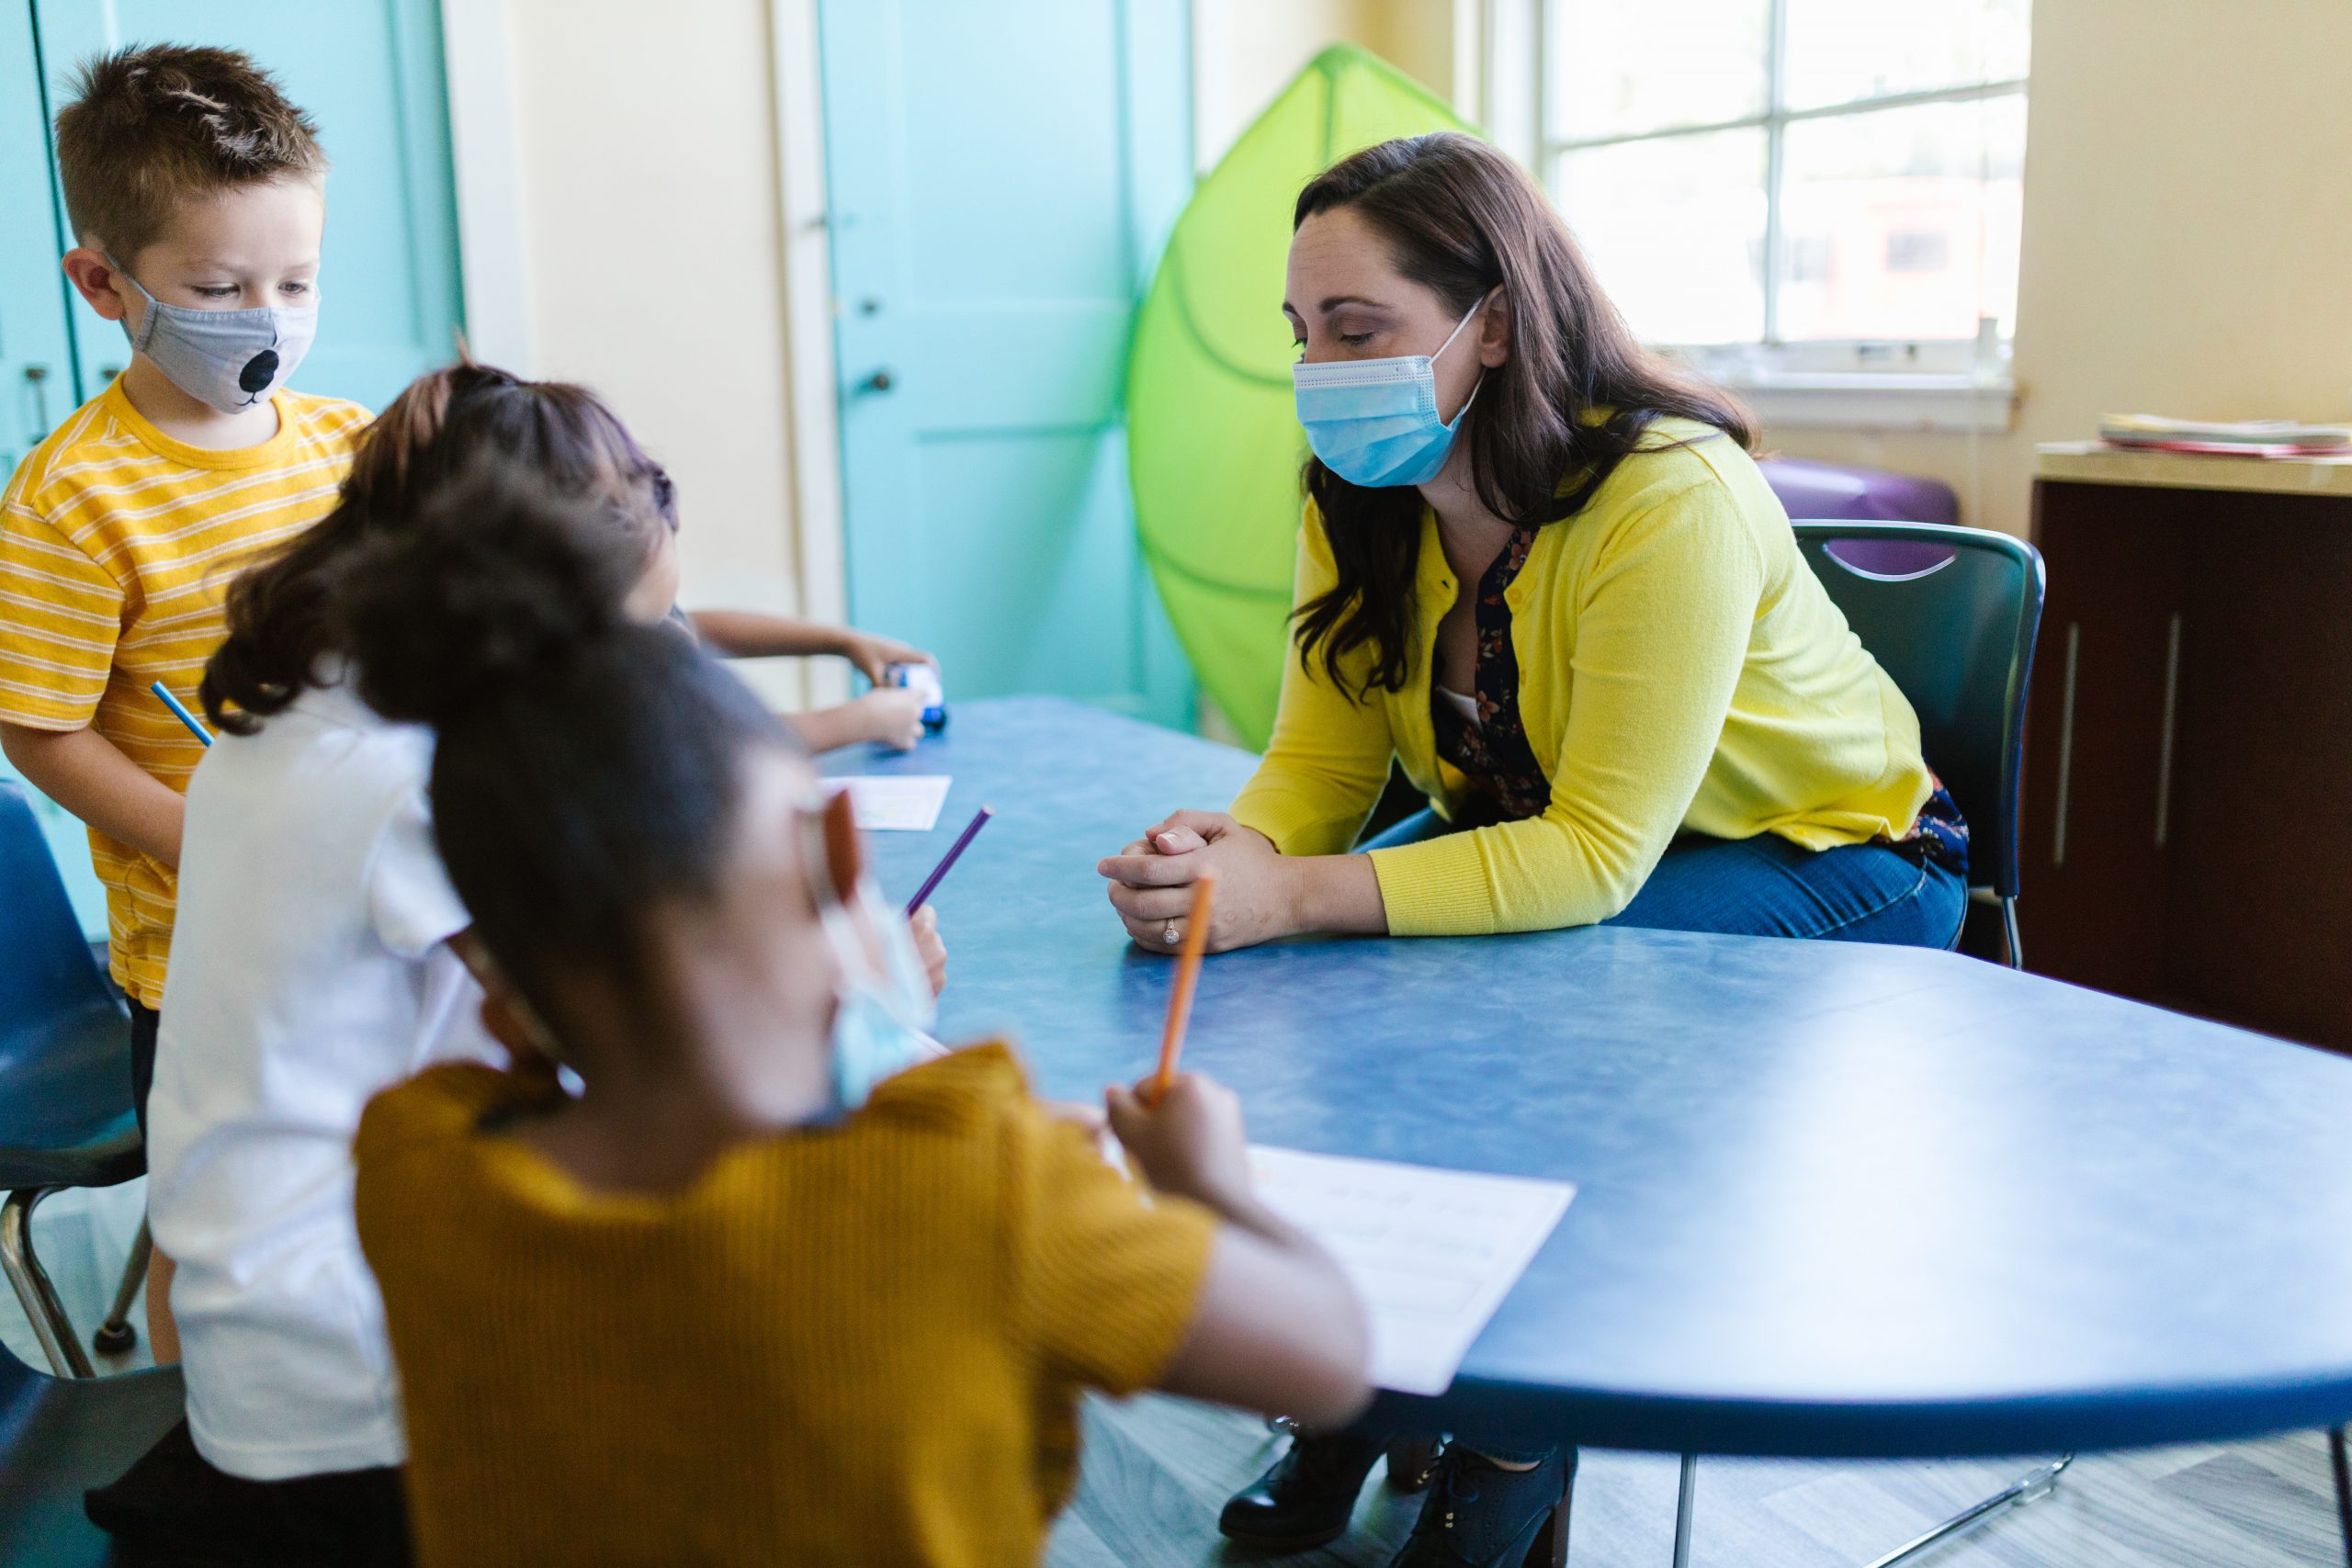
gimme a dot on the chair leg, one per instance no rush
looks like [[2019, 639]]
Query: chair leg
[[2009, 933], [2024, 1489], [1688, 1494], [34, 1292], [115, 1335], [2343, 1468]]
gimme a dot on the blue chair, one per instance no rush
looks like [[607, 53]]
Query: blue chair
[[1952, 614], [66, 1113], [58, 1436]]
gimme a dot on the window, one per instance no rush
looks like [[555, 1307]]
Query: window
[[1789, 185]]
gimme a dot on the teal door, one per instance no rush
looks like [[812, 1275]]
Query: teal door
[[37, 387], [370, 75], [370, 72], [36, 359], [1002, 178]]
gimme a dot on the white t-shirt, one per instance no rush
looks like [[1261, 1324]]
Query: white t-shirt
[[309, 969]]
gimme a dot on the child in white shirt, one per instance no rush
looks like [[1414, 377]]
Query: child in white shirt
[[314, 966]]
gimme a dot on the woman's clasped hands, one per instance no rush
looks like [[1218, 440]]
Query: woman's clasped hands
[[1152, 879]]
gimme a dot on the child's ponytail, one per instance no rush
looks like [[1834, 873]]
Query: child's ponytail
[[586, 767], [493, 585], [558, 436]]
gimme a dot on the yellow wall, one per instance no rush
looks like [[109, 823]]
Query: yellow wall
[[650, 209], [2187, 234], [1246, 52]]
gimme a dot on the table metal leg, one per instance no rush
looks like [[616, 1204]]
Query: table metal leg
[[115, 1335], [1682, 1510], [2024, 1489], [2343, 1467]]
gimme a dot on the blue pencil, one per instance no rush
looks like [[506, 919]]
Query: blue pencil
[[163, 694]]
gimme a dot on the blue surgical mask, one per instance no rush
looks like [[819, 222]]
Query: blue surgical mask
[[230, 359], [1375, 421], [883, 1003]]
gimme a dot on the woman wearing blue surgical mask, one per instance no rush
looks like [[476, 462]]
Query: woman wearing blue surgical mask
[[1539, 570]]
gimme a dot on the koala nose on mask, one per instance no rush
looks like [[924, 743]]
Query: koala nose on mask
[[258, 371]]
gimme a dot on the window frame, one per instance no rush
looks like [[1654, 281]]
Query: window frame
[[1935, 383]]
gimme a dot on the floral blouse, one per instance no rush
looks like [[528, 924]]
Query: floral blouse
[[1493, 753]]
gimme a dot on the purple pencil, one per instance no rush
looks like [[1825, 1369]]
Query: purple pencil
[[971, 830]]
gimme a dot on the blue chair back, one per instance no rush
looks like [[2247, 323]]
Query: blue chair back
[[1950, 614], [65, 1116], [58, 1436]]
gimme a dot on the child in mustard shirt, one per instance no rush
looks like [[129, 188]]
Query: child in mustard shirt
[[897, 1273], [196, 193]]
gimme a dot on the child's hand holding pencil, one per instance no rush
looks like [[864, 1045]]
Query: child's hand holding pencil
[[1189, 1141], [1182, 1130]]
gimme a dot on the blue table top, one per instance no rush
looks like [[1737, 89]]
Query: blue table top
[[1832, 1200]]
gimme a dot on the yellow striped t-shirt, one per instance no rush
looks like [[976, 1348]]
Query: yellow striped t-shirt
[[117, 548]]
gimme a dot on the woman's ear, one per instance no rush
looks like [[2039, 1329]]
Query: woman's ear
[[844, 850], [1494, 331]]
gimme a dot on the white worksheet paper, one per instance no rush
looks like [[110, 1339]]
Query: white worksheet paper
[[904, 803], [1432, 1252]]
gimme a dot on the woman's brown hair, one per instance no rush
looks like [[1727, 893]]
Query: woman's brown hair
[[1462, 219], [446, 423]]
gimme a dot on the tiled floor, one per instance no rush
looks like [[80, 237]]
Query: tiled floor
[[1156, 1469]]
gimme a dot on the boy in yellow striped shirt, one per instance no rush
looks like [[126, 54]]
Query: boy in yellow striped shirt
[[197, 198]]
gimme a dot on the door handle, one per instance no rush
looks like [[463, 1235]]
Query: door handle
[[37, 377], [880, 381]]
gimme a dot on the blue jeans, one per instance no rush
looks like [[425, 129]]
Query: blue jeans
[[1769, 887]]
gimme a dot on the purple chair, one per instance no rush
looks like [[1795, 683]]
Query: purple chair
[[1828, 492], [1825, 492]]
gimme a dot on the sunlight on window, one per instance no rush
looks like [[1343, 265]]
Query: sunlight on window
[[1605, 76], [1676, 226], [1793, 171], [1908, 219]]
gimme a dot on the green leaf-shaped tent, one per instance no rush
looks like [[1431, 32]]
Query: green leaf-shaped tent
[[1214, 444]]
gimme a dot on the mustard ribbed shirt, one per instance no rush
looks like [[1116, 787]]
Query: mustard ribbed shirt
[[1680, 667], [858, 1344]]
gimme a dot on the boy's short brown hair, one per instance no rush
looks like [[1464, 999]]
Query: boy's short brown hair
[[150, 127]]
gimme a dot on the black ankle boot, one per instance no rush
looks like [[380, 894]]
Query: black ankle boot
[[1306, 1498], [1479, 1515]]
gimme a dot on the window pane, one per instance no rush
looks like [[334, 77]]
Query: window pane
[[1620, 66], [1902, 223], [1675, 228], [1839, 51]]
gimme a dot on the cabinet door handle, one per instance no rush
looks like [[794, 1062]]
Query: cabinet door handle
[[2164, 744], [37, 377], [2065, 746]]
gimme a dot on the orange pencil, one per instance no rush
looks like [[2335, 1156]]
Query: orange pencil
[[1180, 1000]]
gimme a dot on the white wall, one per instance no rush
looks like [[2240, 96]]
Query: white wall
[[647, 155]]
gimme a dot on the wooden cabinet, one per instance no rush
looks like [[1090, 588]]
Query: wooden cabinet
[[2188, 750]]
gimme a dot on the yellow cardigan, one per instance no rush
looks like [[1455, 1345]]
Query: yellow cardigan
[[1681, 668]]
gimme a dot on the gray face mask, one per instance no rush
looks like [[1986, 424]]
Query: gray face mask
[[231, 360]]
